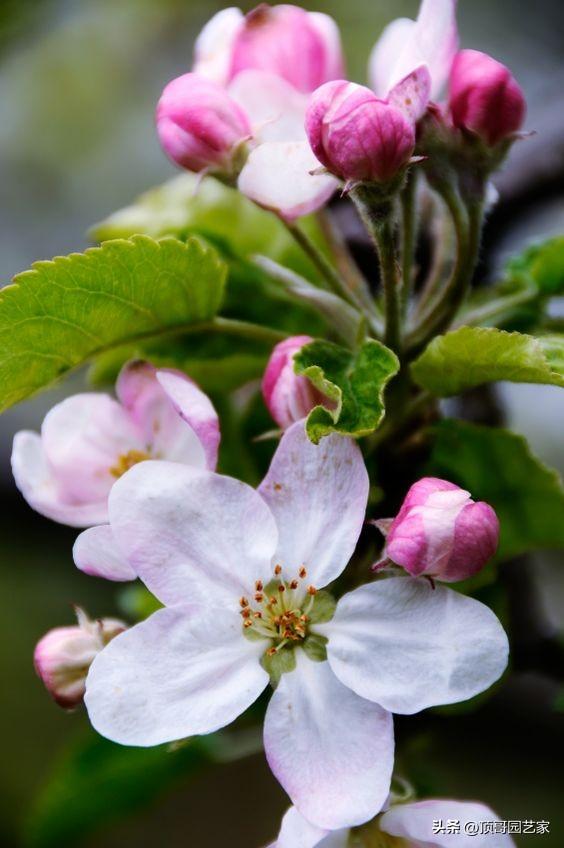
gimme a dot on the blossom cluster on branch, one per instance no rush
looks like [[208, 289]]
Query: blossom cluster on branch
[[279, 585]]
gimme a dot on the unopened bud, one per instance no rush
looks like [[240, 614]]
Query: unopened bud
[[288, 397], [484, 97], [302, 47], [64, 655], [441, 532], [357, 136], [200, 127]]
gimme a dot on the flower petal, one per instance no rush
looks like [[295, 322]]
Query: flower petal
[[214, 45], [184, 671], [277, 176], [83, 438], [37, 483], [191, 534], [331, 750], [196, 409], [161, 413], [385, 53], [411, 94], [407, 646], [275, 109], [96, 553], [415, 823], [297, 832], [318, 496]]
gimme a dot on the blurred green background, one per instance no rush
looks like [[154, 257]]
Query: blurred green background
[[78, 86]]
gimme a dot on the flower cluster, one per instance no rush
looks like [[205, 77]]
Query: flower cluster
[[252, 582]]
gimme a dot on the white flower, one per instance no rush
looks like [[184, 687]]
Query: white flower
[[239, 572]]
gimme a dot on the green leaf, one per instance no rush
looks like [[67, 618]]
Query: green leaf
[[97, 782], [471, 356], [188, 205], [64, 312], [353, 381], [498, 467], [542, 264]]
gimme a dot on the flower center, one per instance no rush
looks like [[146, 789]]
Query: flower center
[[127, 460], [279, 611]]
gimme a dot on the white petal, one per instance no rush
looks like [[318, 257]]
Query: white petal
[[318, 496], [212, 51], [415, 823], [436, 37], [411, 94], [297, 832], [277, 176], [83, 439], [331, 750], [191, 534], [96, 553], [197, 411], [275, 108], [385, 53], [37, 483], [184, 671], [407, 646]]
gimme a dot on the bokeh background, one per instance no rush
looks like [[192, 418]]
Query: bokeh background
[[78, 83]]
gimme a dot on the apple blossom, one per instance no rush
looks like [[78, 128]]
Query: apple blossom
[[406, 45], [200, 127], [357, 136], [484, 97], [410, 825], [89, 440], [64, 655], [440, 532], [303, 48], [240, 572], [289, 397]]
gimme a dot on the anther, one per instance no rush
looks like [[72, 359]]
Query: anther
[[259, 586], [302, 572], [281, 588], [247, 623], [311, 590], [244, 602], [245, 612], [294, 584], [259, 597], [271, 652], [277, 570], [257, 614]]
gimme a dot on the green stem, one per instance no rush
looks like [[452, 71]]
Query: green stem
[[351, 275], [377, 215], [316, 257], [467, 220], [495, 309], [409, 236]]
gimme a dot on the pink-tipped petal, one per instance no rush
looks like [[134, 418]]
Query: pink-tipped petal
[[318, 495], [194, 408], [331, 750], [95, 552], [414, 822], [407, 646], [274, 108], [38, 484], [385, 53], [192, 535], [184, 671], [277, 176], [285, 40], [297, 832]]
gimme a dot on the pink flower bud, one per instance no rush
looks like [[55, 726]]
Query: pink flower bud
[[484, 97], [357, 136], [64, 655], [288, 397], [302, 47], [441, 532], [199, 125]]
